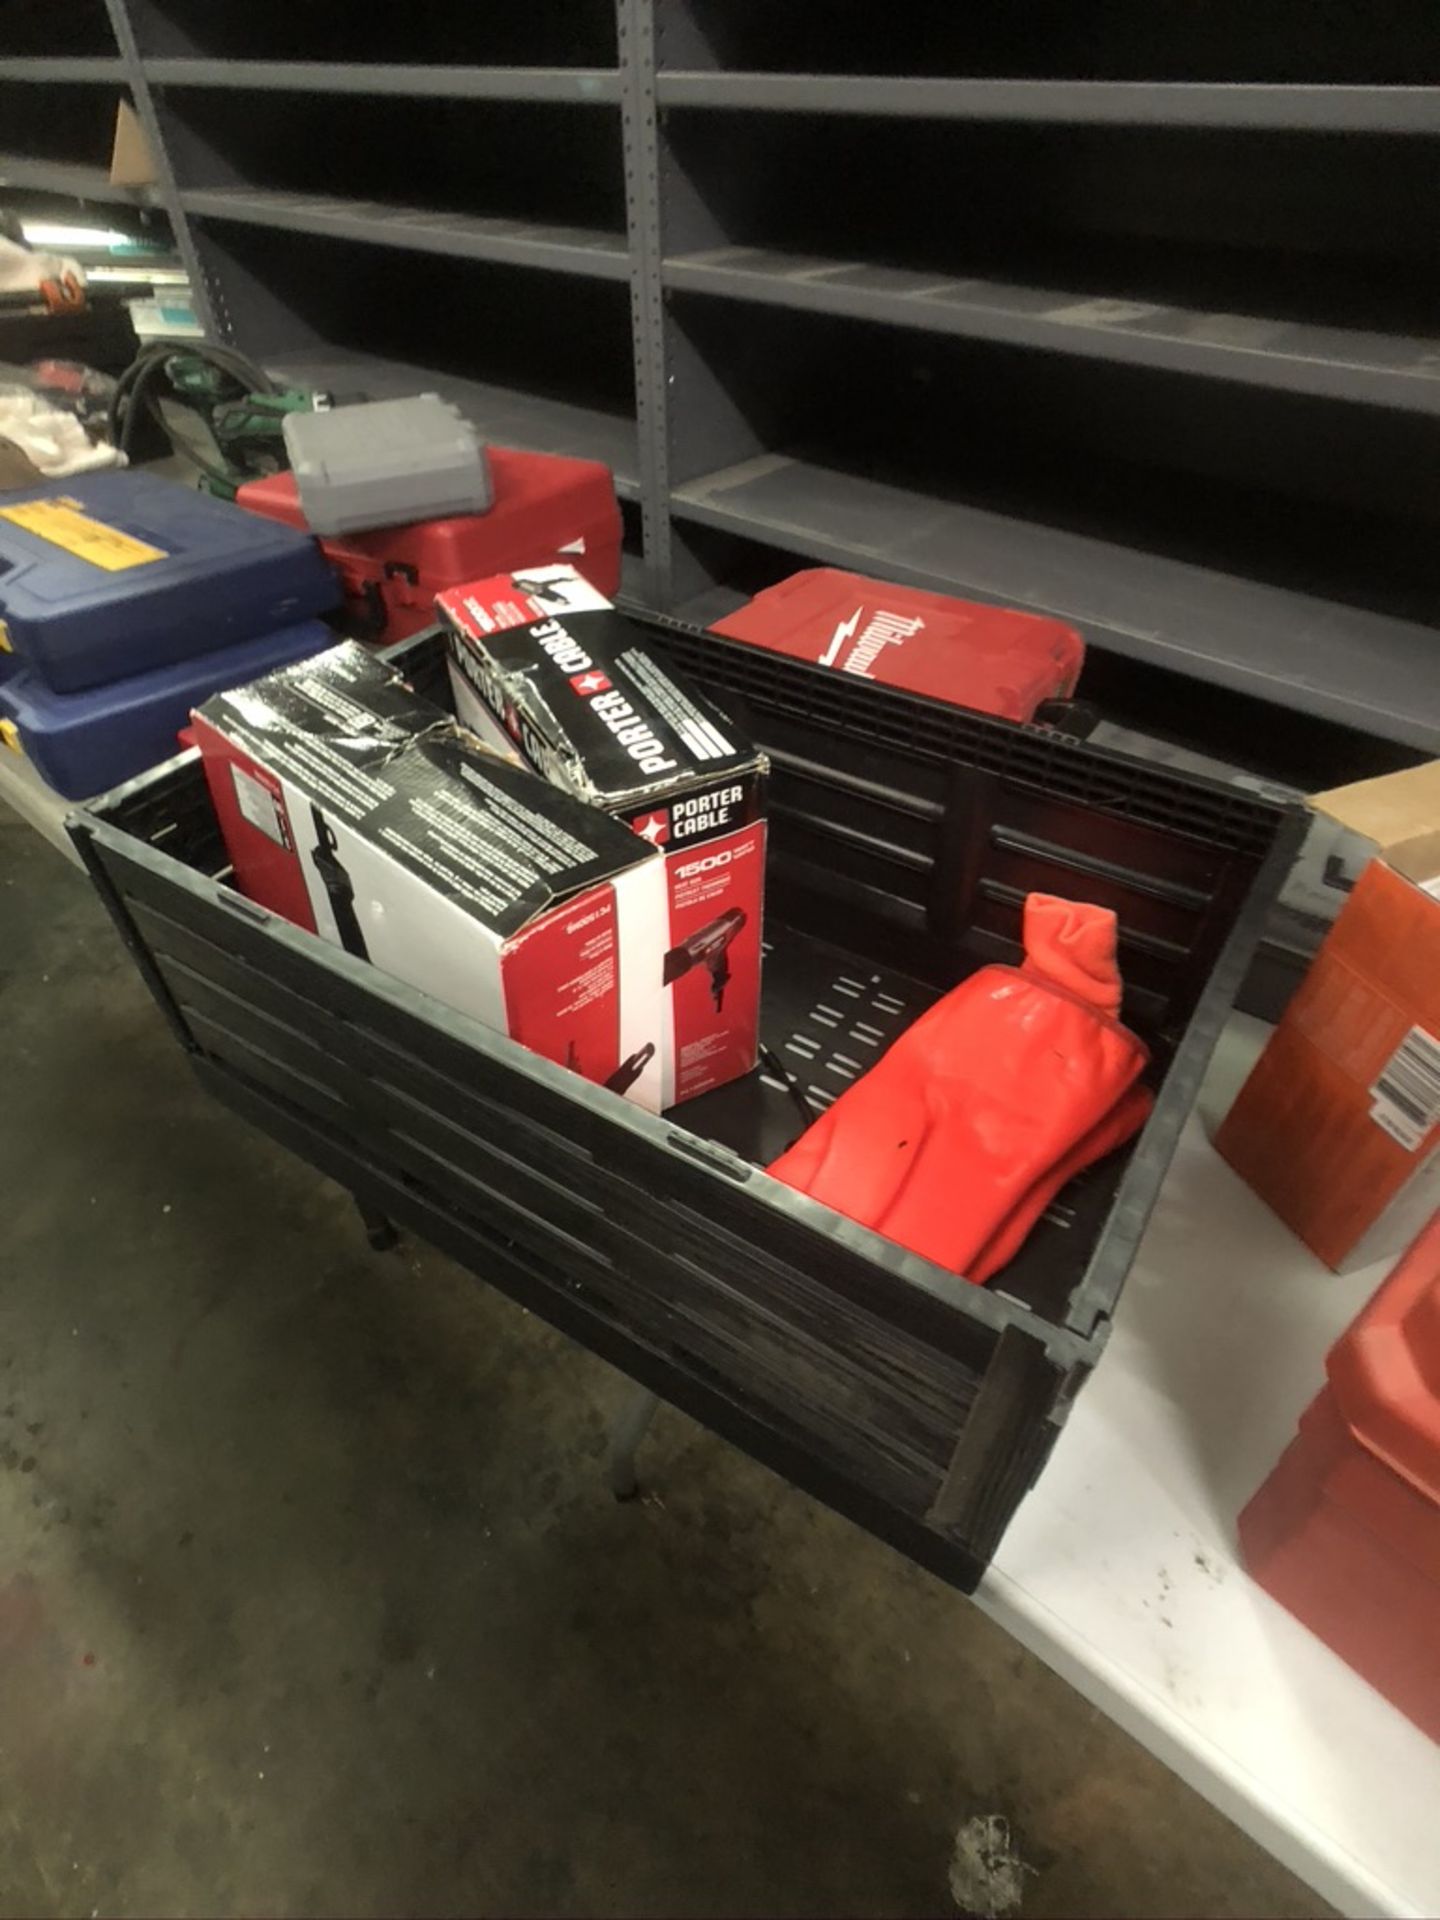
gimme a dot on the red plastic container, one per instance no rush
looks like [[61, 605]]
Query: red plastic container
[[1386, 1369], [546, 509], [990, 659], [1345, 1533]]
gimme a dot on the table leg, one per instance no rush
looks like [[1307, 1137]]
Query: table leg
[[382, 1234], [629, 1430]]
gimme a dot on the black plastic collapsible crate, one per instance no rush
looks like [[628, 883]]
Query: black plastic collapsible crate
[[904, 838]]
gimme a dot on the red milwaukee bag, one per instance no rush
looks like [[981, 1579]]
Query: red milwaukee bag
[[990, 659], [958, 1139], [545, 509]]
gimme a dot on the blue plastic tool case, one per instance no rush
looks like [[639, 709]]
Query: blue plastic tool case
[[83, 743], [108, 574]]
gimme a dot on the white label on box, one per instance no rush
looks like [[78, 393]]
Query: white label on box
[[557, 589], [1407, 1093], [259, 806]]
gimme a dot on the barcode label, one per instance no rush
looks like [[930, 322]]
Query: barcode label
[[259, 806], [1407, 1094]]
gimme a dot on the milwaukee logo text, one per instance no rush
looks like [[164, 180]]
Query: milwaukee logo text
[[881, 630]]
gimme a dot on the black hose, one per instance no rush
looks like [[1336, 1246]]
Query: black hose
[[138, 382]]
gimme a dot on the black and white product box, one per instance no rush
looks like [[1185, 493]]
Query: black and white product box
[[368, 816], [545, 668]]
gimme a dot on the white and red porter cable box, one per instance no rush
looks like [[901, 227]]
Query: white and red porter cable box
[[366, 815], [543, 665]]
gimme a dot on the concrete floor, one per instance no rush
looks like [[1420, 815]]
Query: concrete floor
[[313, 1599]]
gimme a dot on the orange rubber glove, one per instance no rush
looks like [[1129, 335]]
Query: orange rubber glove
[[958, 1139]]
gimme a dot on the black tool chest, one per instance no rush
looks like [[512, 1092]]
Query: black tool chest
[[904, 838]]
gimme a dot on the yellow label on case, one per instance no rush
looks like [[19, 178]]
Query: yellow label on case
[[63, 524], [10, 736], [5, 646]]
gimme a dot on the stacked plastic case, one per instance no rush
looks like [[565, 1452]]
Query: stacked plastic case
[[544, 509], [1345, 1533], [385, 462], [124, 600]]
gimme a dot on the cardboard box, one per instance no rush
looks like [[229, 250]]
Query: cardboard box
[[131, 162], [543, 666], [1338, 1125], [366, 815]]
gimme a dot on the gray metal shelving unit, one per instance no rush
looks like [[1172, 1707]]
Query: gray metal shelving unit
[[69, 178], [1134, 320]]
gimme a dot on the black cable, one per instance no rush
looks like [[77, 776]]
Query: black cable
[[134, 394], [777, 1069]]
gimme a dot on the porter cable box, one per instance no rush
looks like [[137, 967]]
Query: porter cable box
[[543, 665], [108, 574], [545, 509], [366, 815], [385, 462], [84, 743], [991, 659]]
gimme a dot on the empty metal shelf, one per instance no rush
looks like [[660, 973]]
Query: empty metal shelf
[[502, 414], [1119, 103], [24, 173], [518, 243], [1328, 362], [1364, 669], [412, 79], [64, 67]]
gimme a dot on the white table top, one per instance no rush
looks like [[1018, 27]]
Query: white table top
[[1121, 1571], [1120, 1568]]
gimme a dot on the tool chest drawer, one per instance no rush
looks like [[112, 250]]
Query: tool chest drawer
[[904, 838]]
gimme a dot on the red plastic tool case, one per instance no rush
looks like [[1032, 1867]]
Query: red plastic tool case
[[1345, 1533], [546, 509], [992, 659]]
